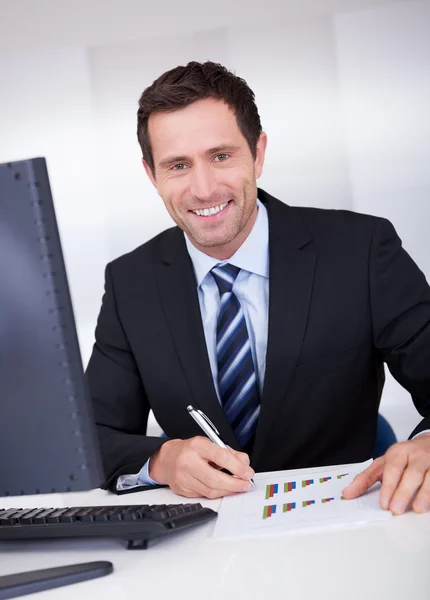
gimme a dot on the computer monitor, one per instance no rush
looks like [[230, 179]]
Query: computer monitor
[[48, 440], [47, 434]]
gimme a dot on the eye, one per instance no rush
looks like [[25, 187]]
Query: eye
[[222, 157], [179, 167]]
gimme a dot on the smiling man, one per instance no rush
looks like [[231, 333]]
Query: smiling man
[[210, 192], [275, 321]]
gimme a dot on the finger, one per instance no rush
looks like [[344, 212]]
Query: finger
[[396, 461], [242, 456], [409, 483], [194, 482], [364, 480], [196, 465], [421, 503], [219, 480], [189, 490], [225, 459], [187, 485]]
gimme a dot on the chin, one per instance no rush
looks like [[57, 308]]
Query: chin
[[213, 242], [212, 239]]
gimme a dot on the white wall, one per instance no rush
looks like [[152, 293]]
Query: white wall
[[342, 87], [28, 25], [383, 59], [45, 110]]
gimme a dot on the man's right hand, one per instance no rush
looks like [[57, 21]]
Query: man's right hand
[[191, 468]]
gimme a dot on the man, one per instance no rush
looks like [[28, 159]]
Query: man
[[275, 321]]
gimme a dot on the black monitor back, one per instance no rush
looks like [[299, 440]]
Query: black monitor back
[[47, 434]]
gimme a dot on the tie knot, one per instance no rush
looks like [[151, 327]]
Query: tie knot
[[225, 276]]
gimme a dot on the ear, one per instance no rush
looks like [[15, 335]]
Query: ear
[[150, 174], [260, 154]]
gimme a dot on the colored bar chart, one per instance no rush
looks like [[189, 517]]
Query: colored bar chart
[[342, 475], [324, 479], [269, 511], [307, 482], [324, 500], [289, 506], [307, 503], [271, 490], [289, 486]]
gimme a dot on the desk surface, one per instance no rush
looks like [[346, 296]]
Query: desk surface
[[388, 560]]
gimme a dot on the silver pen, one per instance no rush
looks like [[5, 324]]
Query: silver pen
[[209, 429]]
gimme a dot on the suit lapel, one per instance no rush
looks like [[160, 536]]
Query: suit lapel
[[179, 298], [291, 277]]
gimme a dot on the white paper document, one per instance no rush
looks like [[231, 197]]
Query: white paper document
[[297, 501]]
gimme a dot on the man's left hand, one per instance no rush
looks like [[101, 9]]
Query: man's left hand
[[404, 471]]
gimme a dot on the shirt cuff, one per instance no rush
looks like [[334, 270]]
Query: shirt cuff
[[143, 475], [127, 482]]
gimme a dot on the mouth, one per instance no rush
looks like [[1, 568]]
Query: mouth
[[213, 212]]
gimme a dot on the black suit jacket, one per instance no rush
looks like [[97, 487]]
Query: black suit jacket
[[344, 298]]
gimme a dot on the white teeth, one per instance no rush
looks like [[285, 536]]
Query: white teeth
[[206, 212]]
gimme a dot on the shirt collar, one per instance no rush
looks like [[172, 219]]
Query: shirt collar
[[252, 256]]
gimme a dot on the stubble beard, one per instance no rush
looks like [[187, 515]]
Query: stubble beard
[[206, 239], [231, 229]]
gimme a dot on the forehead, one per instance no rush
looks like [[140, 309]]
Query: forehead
[[200, 125]]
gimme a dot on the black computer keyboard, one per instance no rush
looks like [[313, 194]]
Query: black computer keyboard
[[137, 524]]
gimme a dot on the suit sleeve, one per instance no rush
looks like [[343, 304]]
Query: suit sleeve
[[400, 307], [120, 404]]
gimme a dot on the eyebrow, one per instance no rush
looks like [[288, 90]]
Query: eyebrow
[[170, 160]]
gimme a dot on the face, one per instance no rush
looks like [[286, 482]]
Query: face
[[206, 175]]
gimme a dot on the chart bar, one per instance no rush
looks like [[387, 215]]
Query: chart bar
[[268, 511], [271, 490], [307, 482], [307, 503], [289, 486]]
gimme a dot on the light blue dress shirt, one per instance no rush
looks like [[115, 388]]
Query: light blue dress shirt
[[251, 288]]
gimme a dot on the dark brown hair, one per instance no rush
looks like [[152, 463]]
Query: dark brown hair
[[182, 86]]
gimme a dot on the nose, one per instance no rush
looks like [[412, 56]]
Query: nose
[[202, 182]]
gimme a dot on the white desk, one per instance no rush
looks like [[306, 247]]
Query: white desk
[[386, 561]]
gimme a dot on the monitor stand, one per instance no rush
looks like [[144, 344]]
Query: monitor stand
[[21, 584]]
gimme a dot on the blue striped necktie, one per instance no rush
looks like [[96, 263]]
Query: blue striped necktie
[[237, 378]]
